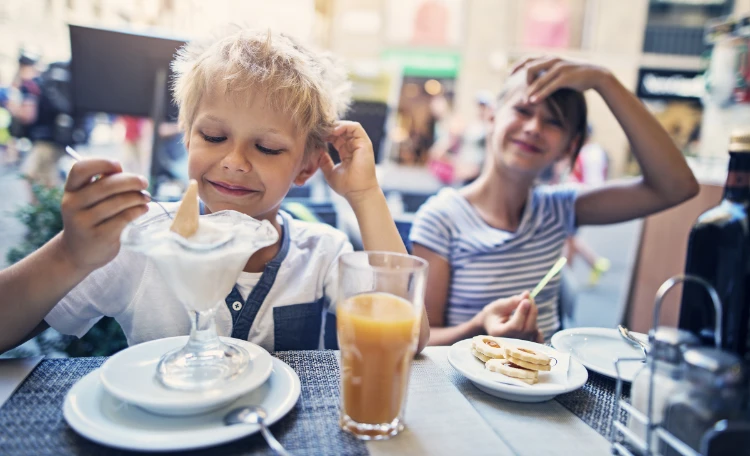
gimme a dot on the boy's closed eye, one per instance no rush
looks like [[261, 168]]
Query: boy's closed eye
[[213, 139], [261, 148], [268, 151]]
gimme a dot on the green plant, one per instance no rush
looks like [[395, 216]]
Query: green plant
[[105, 338], [43, 220]]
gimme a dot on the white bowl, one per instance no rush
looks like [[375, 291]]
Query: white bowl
[[130, 376], [463, 361], [92, 412]]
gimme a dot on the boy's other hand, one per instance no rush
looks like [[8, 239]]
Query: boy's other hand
[[354, 177], [513, 317], [98, 202]]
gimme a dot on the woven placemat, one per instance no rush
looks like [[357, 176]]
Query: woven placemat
[[31, 422], [595, 402]]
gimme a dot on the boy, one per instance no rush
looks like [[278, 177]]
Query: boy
[[257, 110]]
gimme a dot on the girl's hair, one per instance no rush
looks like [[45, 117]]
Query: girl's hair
[[312, 87], [568, 106]]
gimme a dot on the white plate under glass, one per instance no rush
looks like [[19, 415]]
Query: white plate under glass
[[95, 414]]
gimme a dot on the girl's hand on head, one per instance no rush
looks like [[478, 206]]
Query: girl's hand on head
[[355, 176], [95, 212], [545, 75]]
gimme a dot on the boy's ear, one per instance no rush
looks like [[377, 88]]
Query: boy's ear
[[309, 167]]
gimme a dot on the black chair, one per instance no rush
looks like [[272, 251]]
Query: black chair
[[403, 224], [413, 201], [299, 192], [330, 339], [322, 211]]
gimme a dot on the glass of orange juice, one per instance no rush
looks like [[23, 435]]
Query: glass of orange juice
[[378, 314]]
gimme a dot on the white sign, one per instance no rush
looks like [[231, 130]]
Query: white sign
[[674, 86]]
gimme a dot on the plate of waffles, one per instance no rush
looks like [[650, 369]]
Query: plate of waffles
[[516, 370]]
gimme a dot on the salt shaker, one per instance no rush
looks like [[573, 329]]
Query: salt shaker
[[713, 391], [667, 348]]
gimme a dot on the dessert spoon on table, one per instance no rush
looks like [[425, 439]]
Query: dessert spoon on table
[[77, 157], [253, 414]]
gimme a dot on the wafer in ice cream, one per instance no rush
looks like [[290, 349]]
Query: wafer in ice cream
[[186, 220]]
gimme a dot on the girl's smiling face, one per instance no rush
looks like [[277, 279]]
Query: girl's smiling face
[[528, 137], [245, 156]]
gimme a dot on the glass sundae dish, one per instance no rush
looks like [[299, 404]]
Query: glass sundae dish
[[201, 266]]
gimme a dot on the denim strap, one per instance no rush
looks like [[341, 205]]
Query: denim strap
[[243, 320]]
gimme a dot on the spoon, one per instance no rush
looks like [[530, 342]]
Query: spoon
[[69, 150], [253, 414], [625, 333], [557, 267]]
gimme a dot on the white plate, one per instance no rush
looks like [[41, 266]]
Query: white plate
[[98, 416], [599, 348], [463, 361], [129, 375]]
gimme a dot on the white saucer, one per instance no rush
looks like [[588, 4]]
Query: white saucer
[[599, 348], [129, 375], [463, 361], [100, 417]]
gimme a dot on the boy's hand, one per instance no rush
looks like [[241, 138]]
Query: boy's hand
[[354, 177], [513, 317], [95, 213], [546, 75]]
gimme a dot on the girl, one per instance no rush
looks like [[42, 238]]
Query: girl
[[491, 241]]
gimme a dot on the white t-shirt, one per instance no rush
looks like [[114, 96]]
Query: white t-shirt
[[289, 315], [246, 282]]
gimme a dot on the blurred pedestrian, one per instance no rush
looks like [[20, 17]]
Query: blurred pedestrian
[[472, 152], [591, 169], [134, 160], [34, 117]]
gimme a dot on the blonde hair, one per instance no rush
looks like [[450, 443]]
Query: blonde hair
[[312, 87]]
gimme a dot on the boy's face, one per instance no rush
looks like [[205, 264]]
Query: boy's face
[[245, 156], [527, 137]]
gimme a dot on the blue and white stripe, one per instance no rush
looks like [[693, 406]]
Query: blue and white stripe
[[488, 263]]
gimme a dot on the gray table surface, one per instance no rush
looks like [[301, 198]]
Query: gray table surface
[[445, 414]]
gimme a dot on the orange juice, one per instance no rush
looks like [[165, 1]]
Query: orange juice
[[378, 335]]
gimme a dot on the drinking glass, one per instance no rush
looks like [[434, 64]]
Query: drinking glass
[[201, 271], [379, 311]]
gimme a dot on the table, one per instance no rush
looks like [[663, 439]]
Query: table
[[446, 415]]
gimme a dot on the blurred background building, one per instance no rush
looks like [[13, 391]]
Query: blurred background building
[[425, 73], [459, 46]]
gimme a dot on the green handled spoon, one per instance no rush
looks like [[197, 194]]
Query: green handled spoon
[[556, 268]]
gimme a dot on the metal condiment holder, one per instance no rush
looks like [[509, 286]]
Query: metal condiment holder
[[620, 434]]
